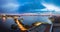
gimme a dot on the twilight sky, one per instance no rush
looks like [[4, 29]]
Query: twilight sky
[[25, 6]]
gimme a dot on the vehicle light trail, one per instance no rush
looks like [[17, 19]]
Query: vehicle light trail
[[20, 25]]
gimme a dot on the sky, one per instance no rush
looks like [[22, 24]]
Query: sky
[[28, 6]]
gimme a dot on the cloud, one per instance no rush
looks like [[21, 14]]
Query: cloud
[[50, 7], [14, 6], [10, 6]]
